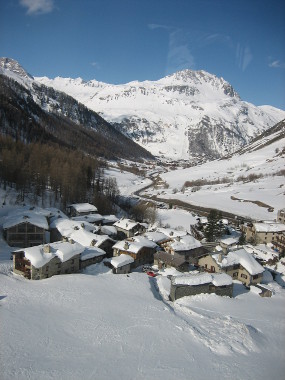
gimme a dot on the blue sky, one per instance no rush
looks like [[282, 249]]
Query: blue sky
[[117, 41]]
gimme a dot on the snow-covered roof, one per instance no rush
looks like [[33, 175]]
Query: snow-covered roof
[[84, 207], [109, 219], [14, 219], [170, 232], [91, 218], [90, 252], [135, 244], [186, 243], [156, 236], [229, 241], [63, 250], [67, 226], [241, 257], [83, 237], [217, 279], [109, 230], [119, 261], [126, 224], [262, 251], [269, 227]]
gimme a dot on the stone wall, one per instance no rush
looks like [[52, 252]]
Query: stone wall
[[179, 291]]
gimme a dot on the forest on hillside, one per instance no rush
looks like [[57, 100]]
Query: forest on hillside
[[41, 171]]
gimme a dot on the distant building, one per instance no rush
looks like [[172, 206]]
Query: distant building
[[128, 228], [281, 216], [121, 264], [90, 256], [138, 247], [240, 265], [192, 284], [166, 260], [79, 209], [25, 229], [185, 246], [266, 232], [43, 261]]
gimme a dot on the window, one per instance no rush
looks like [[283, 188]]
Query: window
[[213, 269], [206, 266], [235, 274], [255, 276], [243, 276], [46, 268]]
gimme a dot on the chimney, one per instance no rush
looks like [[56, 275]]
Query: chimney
[[47, 248], [71, 241], [220, 258], [93, 243], [83, 225], [126, 245]]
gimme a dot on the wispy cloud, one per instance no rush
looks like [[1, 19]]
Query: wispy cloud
[[37, 7], [95, 64], [243, 56], [277, 64]]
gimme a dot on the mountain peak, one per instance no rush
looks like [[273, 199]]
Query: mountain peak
[[14, 67]]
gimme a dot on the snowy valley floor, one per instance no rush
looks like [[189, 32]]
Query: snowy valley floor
[[97, 325]]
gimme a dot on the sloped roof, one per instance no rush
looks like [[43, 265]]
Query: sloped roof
[[241, 257], [91, 218], [67, 226], [84, 207], [269, 227], [126, 224], [90, 252], [156, 236], [135, 244], [186, 243], [63, 250], [14, 219], [119, 261], [217, 279]]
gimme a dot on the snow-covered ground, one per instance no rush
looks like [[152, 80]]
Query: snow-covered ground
[[96, 325]]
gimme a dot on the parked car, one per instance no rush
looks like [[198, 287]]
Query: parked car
[[151, 274]]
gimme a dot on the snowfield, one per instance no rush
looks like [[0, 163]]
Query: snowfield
[[96, 325]]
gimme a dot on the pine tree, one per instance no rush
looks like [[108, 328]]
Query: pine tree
[[212, 230]]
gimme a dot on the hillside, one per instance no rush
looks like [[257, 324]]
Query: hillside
[[33, 112], [249, 183], [185, 115]]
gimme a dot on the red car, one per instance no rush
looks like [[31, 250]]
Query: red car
[[151, 274]]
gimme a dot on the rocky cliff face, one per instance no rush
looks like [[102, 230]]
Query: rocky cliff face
[[185, 115]]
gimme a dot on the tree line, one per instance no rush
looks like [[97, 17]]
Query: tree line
[[37, 170]]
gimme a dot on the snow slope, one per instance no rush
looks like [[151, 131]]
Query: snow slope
[[247, 183], [106, 326], [186, 114]]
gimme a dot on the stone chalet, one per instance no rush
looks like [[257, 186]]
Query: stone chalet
[[129, 228], [25, 228], [192, 284], [138, 247], [79, 209], [185, 246], [228, 243], [240, 265], [266, 232], [63, 227], [90, 256], [121, 264], [88, 239], [95, 219], [45, 261], [166, 260]]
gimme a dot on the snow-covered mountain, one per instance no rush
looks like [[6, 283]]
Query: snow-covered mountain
[[184, 115], [248, 183], [32, 111]]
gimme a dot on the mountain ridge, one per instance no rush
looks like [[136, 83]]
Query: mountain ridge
[[32, 111], [184, 115]]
